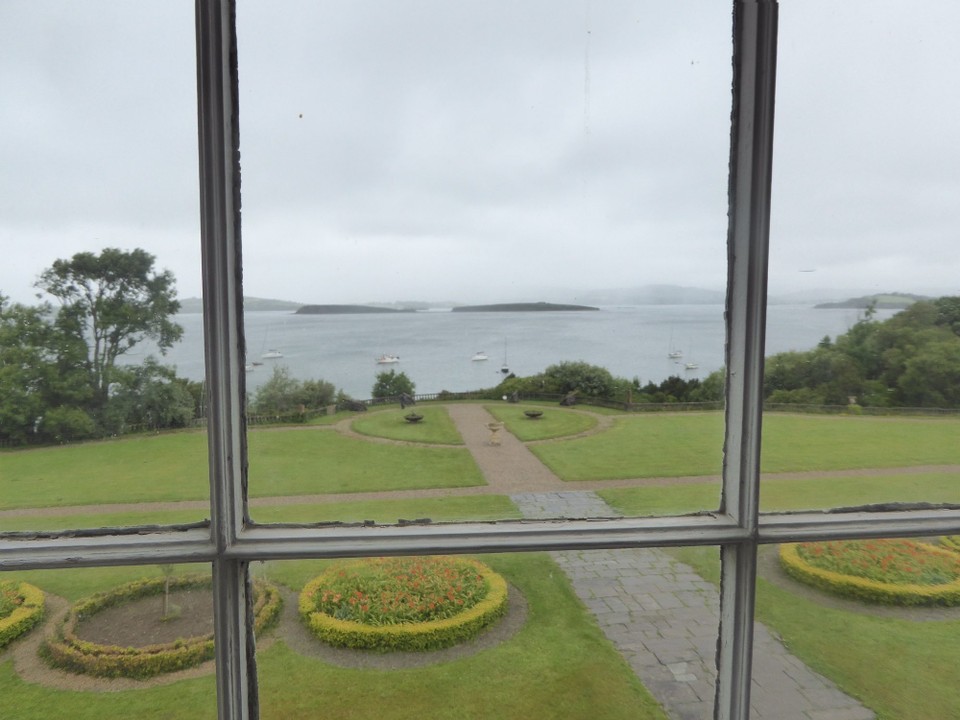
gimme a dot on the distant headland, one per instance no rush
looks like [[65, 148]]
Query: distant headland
[[889, 301], [347, 310], [523, 307]]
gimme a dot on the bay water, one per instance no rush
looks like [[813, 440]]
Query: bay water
[[435, 348]]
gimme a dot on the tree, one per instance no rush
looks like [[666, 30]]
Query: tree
[[148, 395], [580, 377], [41, 369], [392, 384], [113, 301], [284, 395]]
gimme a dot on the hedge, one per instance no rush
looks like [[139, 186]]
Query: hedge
[[68, 652], [422, 636], [858, 588], [25, 616]]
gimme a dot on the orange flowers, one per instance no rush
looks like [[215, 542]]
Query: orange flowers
[[390, 591]]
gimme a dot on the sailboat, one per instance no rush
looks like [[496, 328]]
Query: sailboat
[[505, 368], [674, 353]]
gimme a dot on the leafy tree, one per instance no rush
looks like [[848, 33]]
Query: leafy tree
[[392, 384], [40, 368], [580, 377], [284, 395], [114, 300], [149, 395]]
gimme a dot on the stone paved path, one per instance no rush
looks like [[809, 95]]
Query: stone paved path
[[658, 612]]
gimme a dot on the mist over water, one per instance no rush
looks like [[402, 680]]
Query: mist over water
[[435, 348]]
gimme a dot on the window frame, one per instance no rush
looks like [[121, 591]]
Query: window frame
[[232, 541]]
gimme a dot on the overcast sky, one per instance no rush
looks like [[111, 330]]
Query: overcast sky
[[484, 151]]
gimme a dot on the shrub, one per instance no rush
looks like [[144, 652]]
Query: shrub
[[403, 603], [392, 384], [21, 609], [68, 652], [892, 572]]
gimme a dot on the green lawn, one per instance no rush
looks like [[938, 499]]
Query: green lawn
[[901, 669], [297, 461], [533, 674], [436, 426], [555, 421], [778, 495], [675, 445], [439, 509]]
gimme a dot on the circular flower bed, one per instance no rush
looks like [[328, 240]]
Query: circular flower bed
[[892, 572], [21, 608], [68, 652], [417, 603]]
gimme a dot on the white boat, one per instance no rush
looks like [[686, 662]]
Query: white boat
[[272, 355], [388, 359], [675, 354], [481, 355], [690, 366]]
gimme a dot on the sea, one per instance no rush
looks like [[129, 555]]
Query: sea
[[435, 348]]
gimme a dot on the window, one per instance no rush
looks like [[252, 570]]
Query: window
[[232, 542]]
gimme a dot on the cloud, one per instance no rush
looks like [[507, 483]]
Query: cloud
[[481, 151]]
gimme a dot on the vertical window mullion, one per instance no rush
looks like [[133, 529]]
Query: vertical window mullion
[[223, 333], [751, 150]]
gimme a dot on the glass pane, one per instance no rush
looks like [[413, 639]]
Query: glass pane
[[863, 355], [644, 625], [99, 221], [873, 623], [514, 204], [88, 615]]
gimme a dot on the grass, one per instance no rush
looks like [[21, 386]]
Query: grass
[[677, 445], [903, 670], [554, 423], [533, 674], [436, 426], [173, 467], [439, 509], [321, 462], [781, 495], [900, 669]]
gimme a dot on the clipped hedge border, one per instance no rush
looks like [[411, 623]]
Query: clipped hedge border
[[25, 616], [946, 595], [68, 652], [417, 637]]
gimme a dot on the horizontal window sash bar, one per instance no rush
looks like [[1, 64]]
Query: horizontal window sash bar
[[151, 548], [798, 527], [264, 542]]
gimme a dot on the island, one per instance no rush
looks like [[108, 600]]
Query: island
[[888, 301], [523, 307], [347, 310]]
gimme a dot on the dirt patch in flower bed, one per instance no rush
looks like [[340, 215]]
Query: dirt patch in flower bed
[[138, 623]]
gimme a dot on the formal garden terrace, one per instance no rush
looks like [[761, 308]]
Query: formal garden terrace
[[495, 462]]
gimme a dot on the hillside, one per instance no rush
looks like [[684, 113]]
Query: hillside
[[888, 301], [250, 304], [523, 307]]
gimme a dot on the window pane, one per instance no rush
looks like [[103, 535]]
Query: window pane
[[862, 398], [839, 634], [99, 221], [77, 676], [402, 161], [643, 624]]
